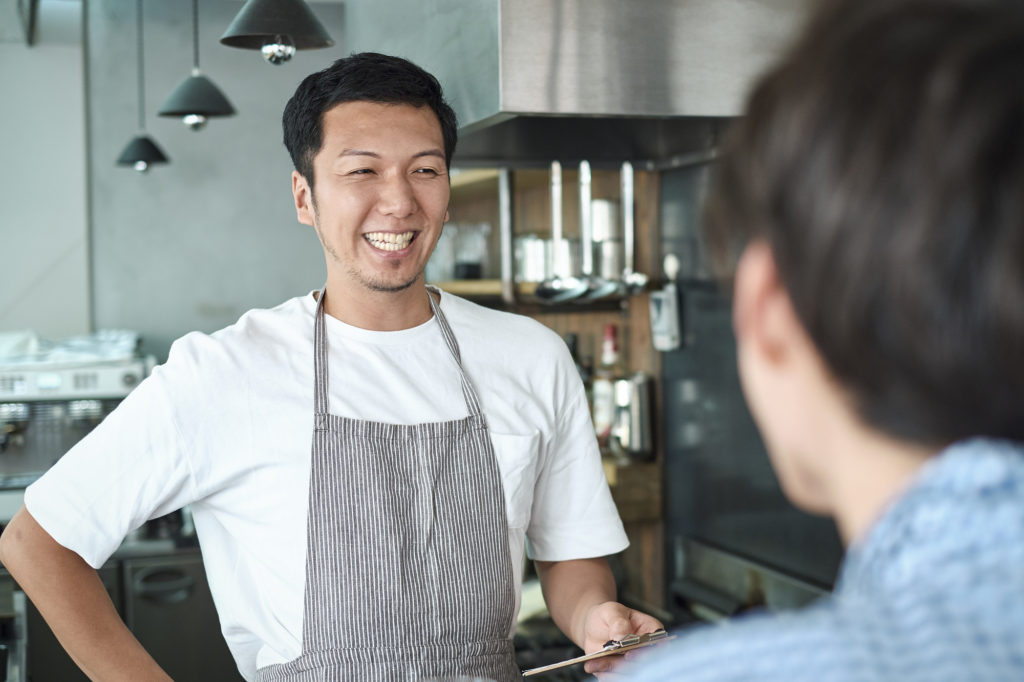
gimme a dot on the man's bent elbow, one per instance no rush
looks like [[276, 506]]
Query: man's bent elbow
[[19, 538]]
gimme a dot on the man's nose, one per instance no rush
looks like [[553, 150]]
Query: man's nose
[[396, 197]]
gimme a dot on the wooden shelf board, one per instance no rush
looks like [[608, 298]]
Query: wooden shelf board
[[461, 178], [483, 287]]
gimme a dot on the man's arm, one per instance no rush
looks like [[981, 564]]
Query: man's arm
[[72, 600], [580, 595]]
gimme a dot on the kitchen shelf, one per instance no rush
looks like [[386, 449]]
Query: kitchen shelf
[[463, 178], [483, 287], [488, 292]]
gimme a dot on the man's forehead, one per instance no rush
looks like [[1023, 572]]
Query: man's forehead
[[359, 116]]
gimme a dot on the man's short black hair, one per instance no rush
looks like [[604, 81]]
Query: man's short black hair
[[883, 162], [367, 77]]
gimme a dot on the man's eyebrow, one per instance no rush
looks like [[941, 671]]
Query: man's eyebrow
[[358, 152], [375, 155]]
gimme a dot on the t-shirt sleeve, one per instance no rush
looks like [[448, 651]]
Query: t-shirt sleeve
[[132, 467], [573, 515]]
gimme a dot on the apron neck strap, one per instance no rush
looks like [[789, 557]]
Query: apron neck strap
[[472, 401], [320, 356], [320, 378]]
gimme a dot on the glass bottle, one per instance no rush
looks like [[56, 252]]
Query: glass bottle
[[603, 388]]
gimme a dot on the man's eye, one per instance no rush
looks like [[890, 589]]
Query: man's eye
[[427, 171], [360, 171]]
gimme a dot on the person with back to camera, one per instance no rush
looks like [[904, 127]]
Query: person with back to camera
[[364, 463], [876, 184]]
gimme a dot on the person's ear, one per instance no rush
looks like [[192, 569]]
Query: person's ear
[[303, 195], [763, 314]]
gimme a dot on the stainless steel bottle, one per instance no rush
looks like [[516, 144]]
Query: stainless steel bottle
[[631, 428]]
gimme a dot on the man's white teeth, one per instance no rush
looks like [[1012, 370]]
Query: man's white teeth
[[389, 241]]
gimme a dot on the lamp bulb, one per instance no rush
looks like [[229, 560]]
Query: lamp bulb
[[141, 166], [279, 49], [194, 121]]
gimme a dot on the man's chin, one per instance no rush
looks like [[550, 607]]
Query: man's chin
[[386, 287]]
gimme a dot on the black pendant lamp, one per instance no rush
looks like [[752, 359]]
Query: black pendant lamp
[[277, 28], [142, 152], [197, 98]]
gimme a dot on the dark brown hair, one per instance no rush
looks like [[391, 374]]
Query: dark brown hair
[[883, 162]]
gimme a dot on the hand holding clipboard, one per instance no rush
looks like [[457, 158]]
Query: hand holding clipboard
[[612, 647]]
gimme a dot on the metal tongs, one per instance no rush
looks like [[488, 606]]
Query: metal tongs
[[610, 648]]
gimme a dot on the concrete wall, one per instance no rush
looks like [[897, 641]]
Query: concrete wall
[[43, 237], [193, 244], [86, 244]]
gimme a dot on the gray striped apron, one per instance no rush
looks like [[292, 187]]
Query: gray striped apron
[[408, 572]]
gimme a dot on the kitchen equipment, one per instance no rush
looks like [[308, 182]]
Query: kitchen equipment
[[531, 258], [536, 258], [47, 407], [632, 282], [597, 287], [471, 250], [541, 80], [607, 236], [664, 308], [561, 286], [631, 426], [441, 266], [12, 631]]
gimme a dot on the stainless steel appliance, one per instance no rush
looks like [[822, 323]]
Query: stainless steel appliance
[[158, 588], [604, 80], [45, 408]]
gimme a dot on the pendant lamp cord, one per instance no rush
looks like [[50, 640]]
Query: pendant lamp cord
[[142, 84], [195, 34]]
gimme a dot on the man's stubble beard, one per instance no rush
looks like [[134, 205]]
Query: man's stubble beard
[[379, 286]]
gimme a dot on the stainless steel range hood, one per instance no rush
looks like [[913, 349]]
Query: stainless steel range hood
[[533, 80]]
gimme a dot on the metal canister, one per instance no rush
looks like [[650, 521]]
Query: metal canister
[[632, 425], [607, 236]]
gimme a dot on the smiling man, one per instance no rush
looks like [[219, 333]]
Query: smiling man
[[378, 204], [365, 463]]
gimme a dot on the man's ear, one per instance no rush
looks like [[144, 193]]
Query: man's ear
[[303, 195], [763, 314]]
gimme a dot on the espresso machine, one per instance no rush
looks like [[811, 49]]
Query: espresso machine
[[47, 407]]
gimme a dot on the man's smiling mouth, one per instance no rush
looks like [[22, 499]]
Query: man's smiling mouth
[[389, 241]]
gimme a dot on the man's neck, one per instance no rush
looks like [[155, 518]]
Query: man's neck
[[383, 311], [870, 471]]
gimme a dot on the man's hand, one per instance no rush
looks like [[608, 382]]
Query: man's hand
[[611, 620], [580, 595]]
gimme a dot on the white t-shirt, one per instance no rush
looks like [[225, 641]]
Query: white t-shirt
[[226, 427]]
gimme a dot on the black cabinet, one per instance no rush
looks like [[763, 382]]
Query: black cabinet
[[169, 608], [165, 601]]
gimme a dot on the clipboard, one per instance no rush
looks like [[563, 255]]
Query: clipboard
[[610, 648]]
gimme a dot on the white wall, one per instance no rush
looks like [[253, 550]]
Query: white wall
[[44, 276]]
